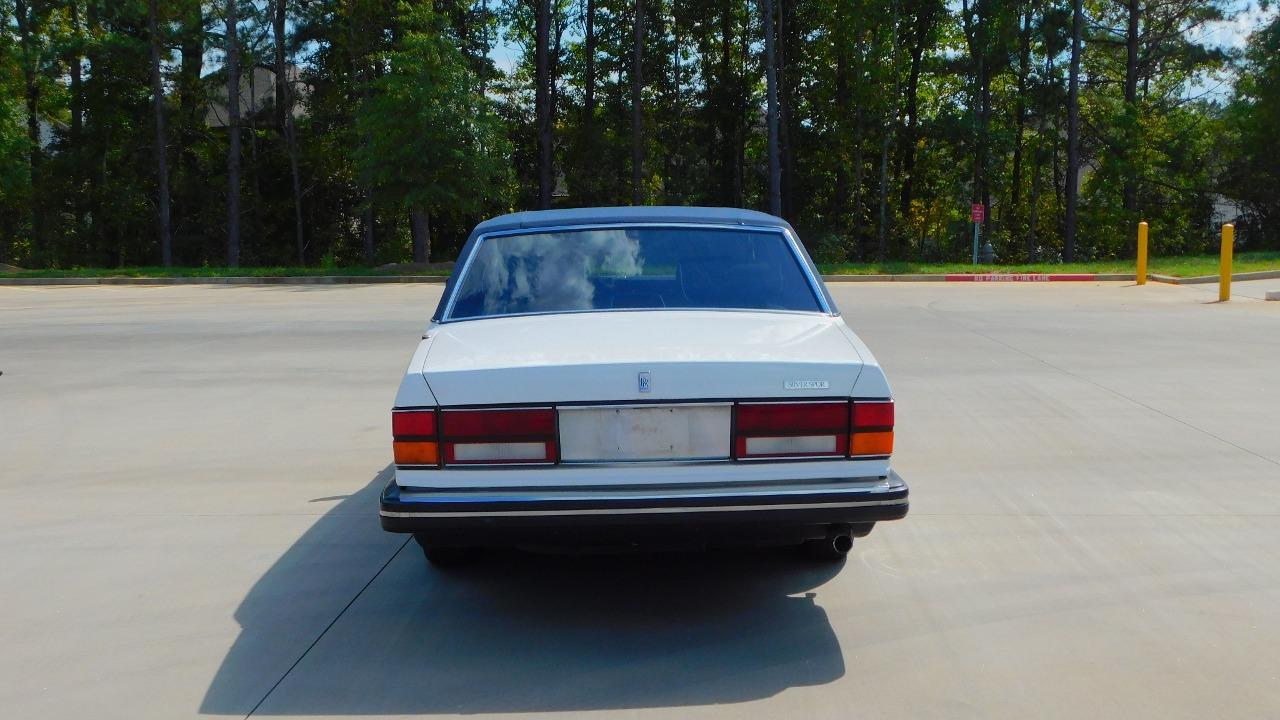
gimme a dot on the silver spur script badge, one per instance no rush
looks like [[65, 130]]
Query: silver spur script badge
[[806, 385]]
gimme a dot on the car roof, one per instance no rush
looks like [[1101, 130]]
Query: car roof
[[642, 214]]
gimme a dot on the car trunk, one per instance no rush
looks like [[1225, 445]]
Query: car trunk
[[640, 356]]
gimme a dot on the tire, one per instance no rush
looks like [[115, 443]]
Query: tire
[[446, 557], [831, 549]]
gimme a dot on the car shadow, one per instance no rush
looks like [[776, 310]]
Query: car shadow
[[532, 632]]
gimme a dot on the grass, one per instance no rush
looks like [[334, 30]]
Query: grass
[[1178, 266], [1188, 266], [279, 271]]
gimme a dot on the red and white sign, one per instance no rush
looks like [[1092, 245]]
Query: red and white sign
[[978, 213]]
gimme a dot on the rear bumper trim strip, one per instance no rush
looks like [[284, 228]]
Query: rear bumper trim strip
[[645, 510]]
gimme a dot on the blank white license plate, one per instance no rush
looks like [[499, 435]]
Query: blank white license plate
[[658, 432]]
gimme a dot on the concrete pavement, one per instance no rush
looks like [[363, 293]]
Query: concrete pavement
[[188, 481]]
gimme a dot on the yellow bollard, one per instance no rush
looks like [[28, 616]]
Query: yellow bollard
[[1142, 253], [1224, 263]]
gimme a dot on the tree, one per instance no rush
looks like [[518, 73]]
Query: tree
[[233, 129], [162, 134], [637, 106], [771, 73], [1073, 133], [871, 135], [1253, 172], [30, 17], [435, 146], [544, 97], [284, 112]]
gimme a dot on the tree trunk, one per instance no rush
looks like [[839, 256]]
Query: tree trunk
[[1024, 70], [589, 77], [189, 125], [77, 92], [542, 101], [891, 120], [77, 111], [421, 224], [976, 32], [743, 82], [26, 14], [728, 116], [1073, 134], [985, 146], [255, 189], [637, 107], [843, 100], [1033, 216], [771, 75], [162, 134], [859, 126], [284, 105], [1131, 110], [786, 151], [366, 221], [233, 129], [920, 36], [673, 179]]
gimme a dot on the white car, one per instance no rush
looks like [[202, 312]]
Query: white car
[[624, 376]]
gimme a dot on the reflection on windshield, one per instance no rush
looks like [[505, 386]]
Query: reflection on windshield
[[632, 268], [539, 273]]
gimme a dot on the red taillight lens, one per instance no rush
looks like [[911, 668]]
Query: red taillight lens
[[414, 440], [413, 423], [487, 437], [817, 429], [871, 428]]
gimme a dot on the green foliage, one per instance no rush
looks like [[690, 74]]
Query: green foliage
[[1253, 171], [399, 108], [432, 139]]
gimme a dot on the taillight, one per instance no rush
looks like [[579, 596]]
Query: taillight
[[413, 434], [871, 428], [499, 437], [782, 430]]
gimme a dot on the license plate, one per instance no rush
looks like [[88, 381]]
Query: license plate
[[658, 432]]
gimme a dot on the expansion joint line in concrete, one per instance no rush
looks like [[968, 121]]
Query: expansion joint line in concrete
[[326, 629]]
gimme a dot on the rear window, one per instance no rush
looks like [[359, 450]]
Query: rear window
[[649, 268]]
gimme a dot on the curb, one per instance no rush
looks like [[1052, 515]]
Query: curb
[[1038, 277], [309, 280], [440, 279], [884, 278], [985, 277], [1201, 279]]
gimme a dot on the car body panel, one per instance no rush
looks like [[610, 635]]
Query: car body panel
[[598, 356]]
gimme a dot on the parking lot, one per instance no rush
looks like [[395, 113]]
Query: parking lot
[[188, 524]]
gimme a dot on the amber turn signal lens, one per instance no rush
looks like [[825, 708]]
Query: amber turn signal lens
[[872, 443], [416, 453]]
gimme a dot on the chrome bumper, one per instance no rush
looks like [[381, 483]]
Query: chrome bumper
[[809, 502]]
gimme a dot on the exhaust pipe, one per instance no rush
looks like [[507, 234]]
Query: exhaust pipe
[[834, 547]]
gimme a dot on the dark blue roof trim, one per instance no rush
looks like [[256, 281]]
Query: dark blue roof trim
[[642, 214]]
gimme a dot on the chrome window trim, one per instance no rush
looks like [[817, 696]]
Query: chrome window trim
[[792, 242]]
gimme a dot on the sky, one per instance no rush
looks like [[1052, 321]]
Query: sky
[[1246, 16]]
